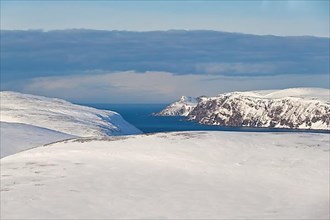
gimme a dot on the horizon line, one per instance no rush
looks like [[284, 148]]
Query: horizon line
[[159, 30]]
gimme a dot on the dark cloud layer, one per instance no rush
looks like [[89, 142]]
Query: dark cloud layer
[[29, 54]]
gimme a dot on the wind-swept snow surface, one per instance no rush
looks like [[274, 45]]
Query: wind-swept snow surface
[[62, 116], [184, 175], [304, 93], [17, 137]]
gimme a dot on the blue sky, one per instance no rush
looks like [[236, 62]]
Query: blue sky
[[278, 17], [61, 54]]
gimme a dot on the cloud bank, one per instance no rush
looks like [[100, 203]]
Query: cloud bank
[[157, 66], [154, 87], [27, 54]]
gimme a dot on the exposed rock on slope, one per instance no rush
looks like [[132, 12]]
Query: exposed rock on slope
[[62, 116], [301, 108], [238, 110]]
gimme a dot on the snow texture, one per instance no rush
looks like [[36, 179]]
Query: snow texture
[[182, 175], [17, 137], [62, 116]]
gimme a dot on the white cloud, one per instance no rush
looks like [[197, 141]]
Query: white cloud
[[235, 68], [155, 87]]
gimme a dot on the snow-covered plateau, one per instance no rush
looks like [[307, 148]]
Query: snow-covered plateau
[[297, 108], [180, 175]]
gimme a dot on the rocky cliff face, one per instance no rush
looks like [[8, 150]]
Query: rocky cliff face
[[293, 108], [238, 110]]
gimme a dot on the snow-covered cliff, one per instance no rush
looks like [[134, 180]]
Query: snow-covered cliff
[[62, 116], [299, 108], [182, 107]]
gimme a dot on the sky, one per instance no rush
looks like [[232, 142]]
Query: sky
[[57, 48], [278, 17]]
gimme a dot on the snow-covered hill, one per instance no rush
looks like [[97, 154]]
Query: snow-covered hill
[[305, 93], [299, 108], [184, 175], [17, 137], [180, 108], [62, 116]]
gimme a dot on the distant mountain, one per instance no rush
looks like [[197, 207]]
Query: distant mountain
[[299, 108], [180, 108], [62, 116]]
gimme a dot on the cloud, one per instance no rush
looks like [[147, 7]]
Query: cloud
[[236, 68], [154, 87], [157, 66], [30, 54]]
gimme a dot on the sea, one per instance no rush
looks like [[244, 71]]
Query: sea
[[141, 116]]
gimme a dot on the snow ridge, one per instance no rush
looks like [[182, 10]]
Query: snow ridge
[[62, 116], [16, 137]]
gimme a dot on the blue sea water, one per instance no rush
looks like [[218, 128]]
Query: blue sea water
[[140, 115]]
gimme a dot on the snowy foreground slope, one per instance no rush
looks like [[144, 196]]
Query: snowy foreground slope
[[17, 137], [183, 175], [299, 108], [62, 116]]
